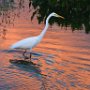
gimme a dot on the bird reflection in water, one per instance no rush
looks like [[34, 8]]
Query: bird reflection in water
[[26, 66], [31, 68]]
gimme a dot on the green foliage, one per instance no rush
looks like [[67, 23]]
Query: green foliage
[[76, 12]]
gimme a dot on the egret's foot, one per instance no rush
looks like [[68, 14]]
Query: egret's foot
[[26, 57], [43, 75], [37, 65], [32, 62]]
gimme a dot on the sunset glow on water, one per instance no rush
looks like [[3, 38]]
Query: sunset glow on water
[[63, 57]]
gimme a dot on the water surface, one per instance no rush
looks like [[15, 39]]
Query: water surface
[[63, 56]]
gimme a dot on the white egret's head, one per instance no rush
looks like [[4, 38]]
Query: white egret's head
[[56, 15]]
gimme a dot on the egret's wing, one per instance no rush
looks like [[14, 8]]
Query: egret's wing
[[25, 43]]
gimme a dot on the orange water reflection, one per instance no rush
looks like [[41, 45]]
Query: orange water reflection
[[64, 57]]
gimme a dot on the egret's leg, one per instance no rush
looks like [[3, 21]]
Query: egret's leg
[[24, 54], [30, 56], [31, 60]]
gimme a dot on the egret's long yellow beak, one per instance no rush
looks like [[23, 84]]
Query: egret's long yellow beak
[[60, 16]]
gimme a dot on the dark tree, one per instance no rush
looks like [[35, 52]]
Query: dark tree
[[76, 12]]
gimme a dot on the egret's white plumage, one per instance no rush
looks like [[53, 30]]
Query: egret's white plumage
[[31, 42], [26, 43]]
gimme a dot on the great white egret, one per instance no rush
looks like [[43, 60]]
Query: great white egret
[[31, 42]]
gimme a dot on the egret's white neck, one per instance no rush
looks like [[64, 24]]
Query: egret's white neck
[[46, 27]]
